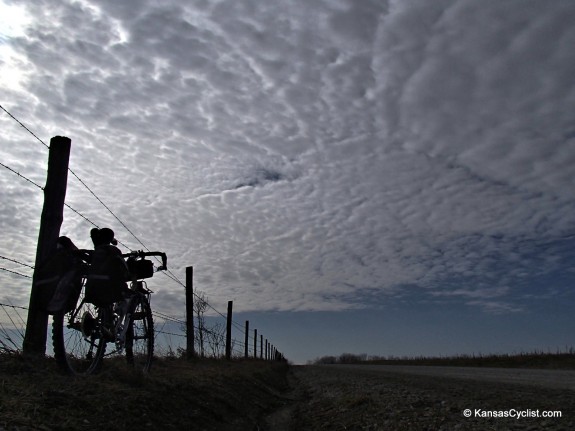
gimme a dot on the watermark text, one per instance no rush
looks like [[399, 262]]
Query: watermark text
[[512, 413]]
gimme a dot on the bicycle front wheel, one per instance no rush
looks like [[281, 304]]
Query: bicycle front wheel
[[140, 335], [79, 340]]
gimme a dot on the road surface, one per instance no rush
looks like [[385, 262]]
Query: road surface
[[382, 398]]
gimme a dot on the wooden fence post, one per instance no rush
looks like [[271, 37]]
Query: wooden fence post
[[255, 343], [229, 331], [50, 223], [190, 352], [246, 340], [261, 346]]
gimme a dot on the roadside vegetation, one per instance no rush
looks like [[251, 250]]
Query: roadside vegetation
[[177, 394], [564, 360]]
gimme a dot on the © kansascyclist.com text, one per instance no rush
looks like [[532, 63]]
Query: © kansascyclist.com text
[[512, 413]]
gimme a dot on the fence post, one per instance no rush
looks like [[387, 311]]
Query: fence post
[[267, 349], [255, 343], [229, 331], [190, 353], [50, 223], [246, 341], [261, 346]]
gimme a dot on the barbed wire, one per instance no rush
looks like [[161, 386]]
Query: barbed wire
[[165, 316], [108, 208], [176, 320], [172, 277], [14, 272], [169, 333], [21, 124], [13, 306], [16, 261], [42, 188], [22, 176]]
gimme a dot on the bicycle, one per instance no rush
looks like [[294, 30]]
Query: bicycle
[[82, 330]]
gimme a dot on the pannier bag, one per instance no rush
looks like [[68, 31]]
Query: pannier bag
[[140, 269], [107, 277], [47, 278], [67, 292]]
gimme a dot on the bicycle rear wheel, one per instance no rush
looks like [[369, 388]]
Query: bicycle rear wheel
[[140, 335], [79, 339]]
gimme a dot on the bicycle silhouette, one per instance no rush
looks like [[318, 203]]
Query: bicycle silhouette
[[82, 330]]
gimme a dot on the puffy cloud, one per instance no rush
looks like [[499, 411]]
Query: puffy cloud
[[309, 156]]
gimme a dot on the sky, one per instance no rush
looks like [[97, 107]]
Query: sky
[[384, 177]]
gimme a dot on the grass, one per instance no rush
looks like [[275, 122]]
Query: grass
[[176, 394]]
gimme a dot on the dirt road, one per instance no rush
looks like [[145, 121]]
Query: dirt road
[[363, 398]]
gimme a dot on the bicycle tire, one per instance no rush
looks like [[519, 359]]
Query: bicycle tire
[[75, 352], [140, 335]]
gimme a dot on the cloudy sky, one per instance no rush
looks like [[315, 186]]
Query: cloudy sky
[[389, 177]]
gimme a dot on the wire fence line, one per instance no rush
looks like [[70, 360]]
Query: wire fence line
[[210, 340], [208, 337]]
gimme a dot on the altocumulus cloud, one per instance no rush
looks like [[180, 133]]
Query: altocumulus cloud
[[308, 155]]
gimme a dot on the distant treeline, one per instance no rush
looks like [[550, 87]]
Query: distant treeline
[[536, 359]]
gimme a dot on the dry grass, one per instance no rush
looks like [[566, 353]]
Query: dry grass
[[210, 395]]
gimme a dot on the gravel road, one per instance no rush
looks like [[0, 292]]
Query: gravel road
[[363, 398]]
